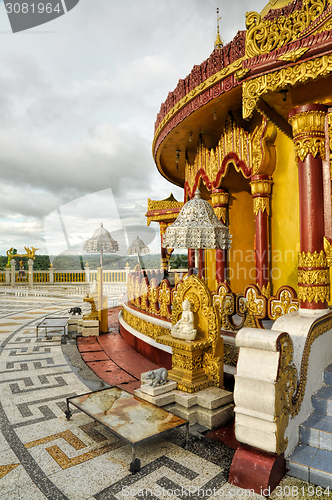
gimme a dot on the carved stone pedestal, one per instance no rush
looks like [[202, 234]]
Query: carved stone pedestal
[[187, 363]]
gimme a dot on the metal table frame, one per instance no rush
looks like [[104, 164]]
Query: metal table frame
[[64, 325], [135, 464]]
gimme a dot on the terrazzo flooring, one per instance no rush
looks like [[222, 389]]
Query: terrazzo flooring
[[44, 456]]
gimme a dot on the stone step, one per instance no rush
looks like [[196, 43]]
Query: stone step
[[328, 375], [316, 431], [322, 400], [312, 465]]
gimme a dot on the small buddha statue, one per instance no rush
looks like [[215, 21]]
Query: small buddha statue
[[184, 328]]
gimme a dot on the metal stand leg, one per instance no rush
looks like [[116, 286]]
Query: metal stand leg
[[68, 413], [135, 465]]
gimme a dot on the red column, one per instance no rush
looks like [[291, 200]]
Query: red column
[[309, 138], [261, 190], [220, 205], [191, 261]]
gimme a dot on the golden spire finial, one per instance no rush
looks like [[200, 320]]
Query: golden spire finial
[[218, 43]]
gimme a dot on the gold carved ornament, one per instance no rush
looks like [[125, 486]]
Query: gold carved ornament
[[186, 362], [261, 190], [164, 298], [313, 277], [250, 148], [231, 354], [30, 253], [285, 389], [137, 292], [144, 326], [153, 294], [300, 73], [264, 35], [93, 313], [284, 302], [265, 290], [309, 133], [293, 55], [144, 295], [224, 300], [220, 204], [208, 319], [252, 306]]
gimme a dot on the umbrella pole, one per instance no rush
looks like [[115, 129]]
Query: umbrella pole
[[101, 277], [196, 258]]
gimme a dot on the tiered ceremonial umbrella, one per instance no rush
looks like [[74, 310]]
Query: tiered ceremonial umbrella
[[101, 242], [138, 247], [197, 227]]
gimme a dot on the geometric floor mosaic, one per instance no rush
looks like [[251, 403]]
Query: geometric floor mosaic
[[44, 456]]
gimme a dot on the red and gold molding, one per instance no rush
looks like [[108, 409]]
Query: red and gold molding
[[220, 198], [308, 123], [248, 152], [261, 191], [313, 278], [309, 132], [163, 210]]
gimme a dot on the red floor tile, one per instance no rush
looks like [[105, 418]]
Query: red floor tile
[[131, 386], [117, 377], [125, 357], [87, 344], [94, 356]]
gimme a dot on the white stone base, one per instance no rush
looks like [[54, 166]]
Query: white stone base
[[90, 327], [159, 389], [211, 407], [74, 322], [198, 415]]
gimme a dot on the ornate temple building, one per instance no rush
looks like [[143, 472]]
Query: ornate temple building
[[251, 127]]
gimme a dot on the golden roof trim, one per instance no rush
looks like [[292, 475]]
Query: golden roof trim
[[209, 82]]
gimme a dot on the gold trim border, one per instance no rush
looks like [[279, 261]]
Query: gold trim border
[[208, 83], [301, 73]]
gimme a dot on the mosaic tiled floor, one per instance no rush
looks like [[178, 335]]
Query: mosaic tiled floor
[[44, 456]]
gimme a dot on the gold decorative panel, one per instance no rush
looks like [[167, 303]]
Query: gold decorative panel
[[246, 151], [264, 35]]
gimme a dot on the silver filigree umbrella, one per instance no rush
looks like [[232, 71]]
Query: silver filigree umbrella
[[138, 247], [197, 227], [101, 242]]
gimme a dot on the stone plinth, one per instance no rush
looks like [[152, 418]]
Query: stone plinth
[[159, 389], [90, 327], [211, 407], [74, 323]]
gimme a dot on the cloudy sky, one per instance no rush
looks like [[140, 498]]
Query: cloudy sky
[[78, 101]]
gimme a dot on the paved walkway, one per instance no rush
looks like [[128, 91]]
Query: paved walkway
[[44, 456]]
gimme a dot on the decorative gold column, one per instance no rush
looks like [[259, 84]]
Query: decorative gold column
[[308, 123], [261, 191], [220, 198]]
